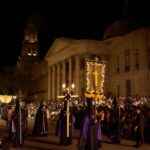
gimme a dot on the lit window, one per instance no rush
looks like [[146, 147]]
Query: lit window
[[148, 59], [29, 54], [127, 60], [128, 88], [27, 37], [117, 61], [34, 54], [118, 90], [137, 60]]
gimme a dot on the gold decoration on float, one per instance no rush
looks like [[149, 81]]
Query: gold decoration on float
[[95, 76]]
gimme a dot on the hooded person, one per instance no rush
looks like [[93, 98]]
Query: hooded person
[[115, 122], [60, 127], [90, 134], [139, 128], [41, 122], [64, 125], [18, 128]]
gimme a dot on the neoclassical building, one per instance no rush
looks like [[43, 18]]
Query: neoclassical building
[[126, 57], [66, 64]]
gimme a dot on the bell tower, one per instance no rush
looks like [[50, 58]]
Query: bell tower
[[28, 58], [29, 52]]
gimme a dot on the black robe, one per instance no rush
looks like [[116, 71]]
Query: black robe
[[41, 122], [17, 127]]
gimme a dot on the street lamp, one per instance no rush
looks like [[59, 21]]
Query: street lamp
[[72, 85], [63, 85], [69, 88], [32, 54]]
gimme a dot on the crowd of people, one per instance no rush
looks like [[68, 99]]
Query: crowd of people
[[17, 118], [116, 123], [115, 119], [118, 118]]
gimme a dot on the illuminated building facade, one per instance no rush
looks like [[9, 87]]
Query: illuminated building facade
[[129, 63], [126, 58], [119, 64]]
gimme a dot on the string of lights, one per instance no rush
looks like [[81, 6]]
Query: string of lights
[[95, 76]]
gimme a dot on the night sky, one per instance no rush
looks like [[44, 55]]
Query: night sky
[[76, 20]]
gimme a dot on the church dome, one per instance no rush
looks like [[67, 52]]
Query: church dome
[[119, 27]]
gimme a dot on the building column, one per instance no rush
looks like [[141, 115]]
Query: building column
[[53, 82], [70, 71], [132, 61], [63, 73], [77, 74], [58, 79], [49, 84]]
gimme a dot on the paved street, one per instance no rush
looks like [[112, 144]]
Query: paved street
[[51, 142]]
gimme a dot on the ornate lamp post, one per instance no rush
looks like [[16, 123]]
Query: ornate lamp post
[[19, 130], [68, 94]]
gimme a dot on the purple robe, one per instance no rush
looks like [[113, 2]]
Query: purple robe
[[90, 134], [85, 128], [99, 131]]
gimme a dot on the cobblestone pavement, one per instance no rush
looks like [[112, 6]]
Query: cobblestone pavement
[[51, 142]]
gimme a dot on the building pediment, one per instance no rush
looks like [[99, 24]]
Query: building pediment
[[74, 46], [59, 45]]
